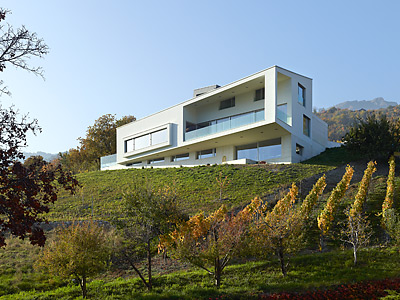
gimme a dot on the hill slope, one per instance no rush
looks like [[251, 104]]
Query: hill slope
[[196, 187]]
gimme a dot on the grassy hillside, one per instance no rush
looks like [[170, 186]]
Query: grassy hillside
[[196, 187]]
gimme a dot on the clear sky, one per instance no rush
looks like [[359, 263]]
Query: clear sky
[[138, 57]]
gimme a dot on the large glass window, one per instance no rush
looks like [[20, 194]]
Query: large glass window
[[247, 151], [206, 153], [156, 160], [260, 151], [159, 137], [180, 157], [302, 95], [269, 149], [142, 142], [260, 94], [306, 125], [129, 145], [147, 140]]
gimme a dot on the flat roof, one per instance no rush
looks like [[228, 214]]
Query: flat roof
[[219, 89]]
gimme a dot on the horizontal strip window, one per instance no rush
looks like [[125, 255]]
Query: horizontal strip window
[[147, 140], [260, 94], [206, 153], [156, 160], [180, 157], [227, 103], [135, 164]]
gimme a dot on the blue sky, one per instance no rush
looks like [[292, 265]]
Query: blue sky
[[139, 57]]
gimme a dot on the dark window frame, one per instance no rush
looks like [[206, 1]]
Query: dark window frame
[[306, 126], [156, 160], [302, 96], [299, 149], [201, 153], [259, 94], [180, 157], [227, 103]]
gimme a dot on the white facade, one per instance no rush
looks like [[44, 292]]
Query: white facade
[[265, 117]]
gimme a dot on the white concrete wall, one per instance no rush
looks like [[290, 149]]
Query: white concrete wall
[[270, 95], [275, 93], [171, 116], [243, 103]]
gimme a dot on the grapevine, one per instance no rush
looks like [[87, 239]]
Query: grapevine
[[326, 217], [388, 202], [361, 195]]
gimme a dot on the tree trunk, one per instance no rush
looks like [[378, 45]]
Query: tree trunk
[[355, 255], [282, 261], [322, 244], [139, 273], [217, 272], [82, 283], [150, 281]]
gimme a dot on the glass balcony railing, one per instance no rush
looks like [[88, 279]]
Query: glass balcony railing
[[226, 124], [284, 117], [108, 161]]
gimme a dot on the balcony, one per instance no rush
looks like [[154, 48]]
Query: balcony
[[108, 161], [224, 124], [281, 115]]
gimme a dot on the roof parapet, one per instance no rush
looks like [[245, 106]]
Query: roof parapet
[[203, 90]]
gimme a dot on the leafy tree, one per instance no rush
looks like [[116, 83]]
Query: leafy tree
[[340, 120], [281, 230], [100, 141], [374, 137], [148, 213], [17, 47], [210, 242], [25, 190], [79, 251], [35, 162]]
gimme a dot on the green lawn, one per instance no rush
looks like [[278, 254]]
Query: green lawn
[[243, 281]]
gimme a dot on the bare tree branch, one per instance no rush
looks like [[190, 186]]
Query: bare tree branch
[[17, 46]]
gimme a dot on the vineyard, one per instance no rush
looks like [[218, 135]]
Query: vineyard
[[259, 232]]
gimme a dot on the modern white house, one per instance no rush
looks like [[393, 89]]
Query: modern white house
[[262, 118]]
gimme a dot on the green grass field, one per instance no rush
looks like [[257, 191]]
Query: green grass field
[[196, 187], [241, 280]]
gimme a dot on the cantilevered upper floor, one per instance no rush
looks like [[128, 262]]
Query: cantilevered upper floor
[[266, 116]]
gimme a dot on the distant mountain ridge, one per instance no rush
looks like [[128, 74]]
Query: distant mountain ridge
[[376, 103], [46, 156], [339, 120]]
